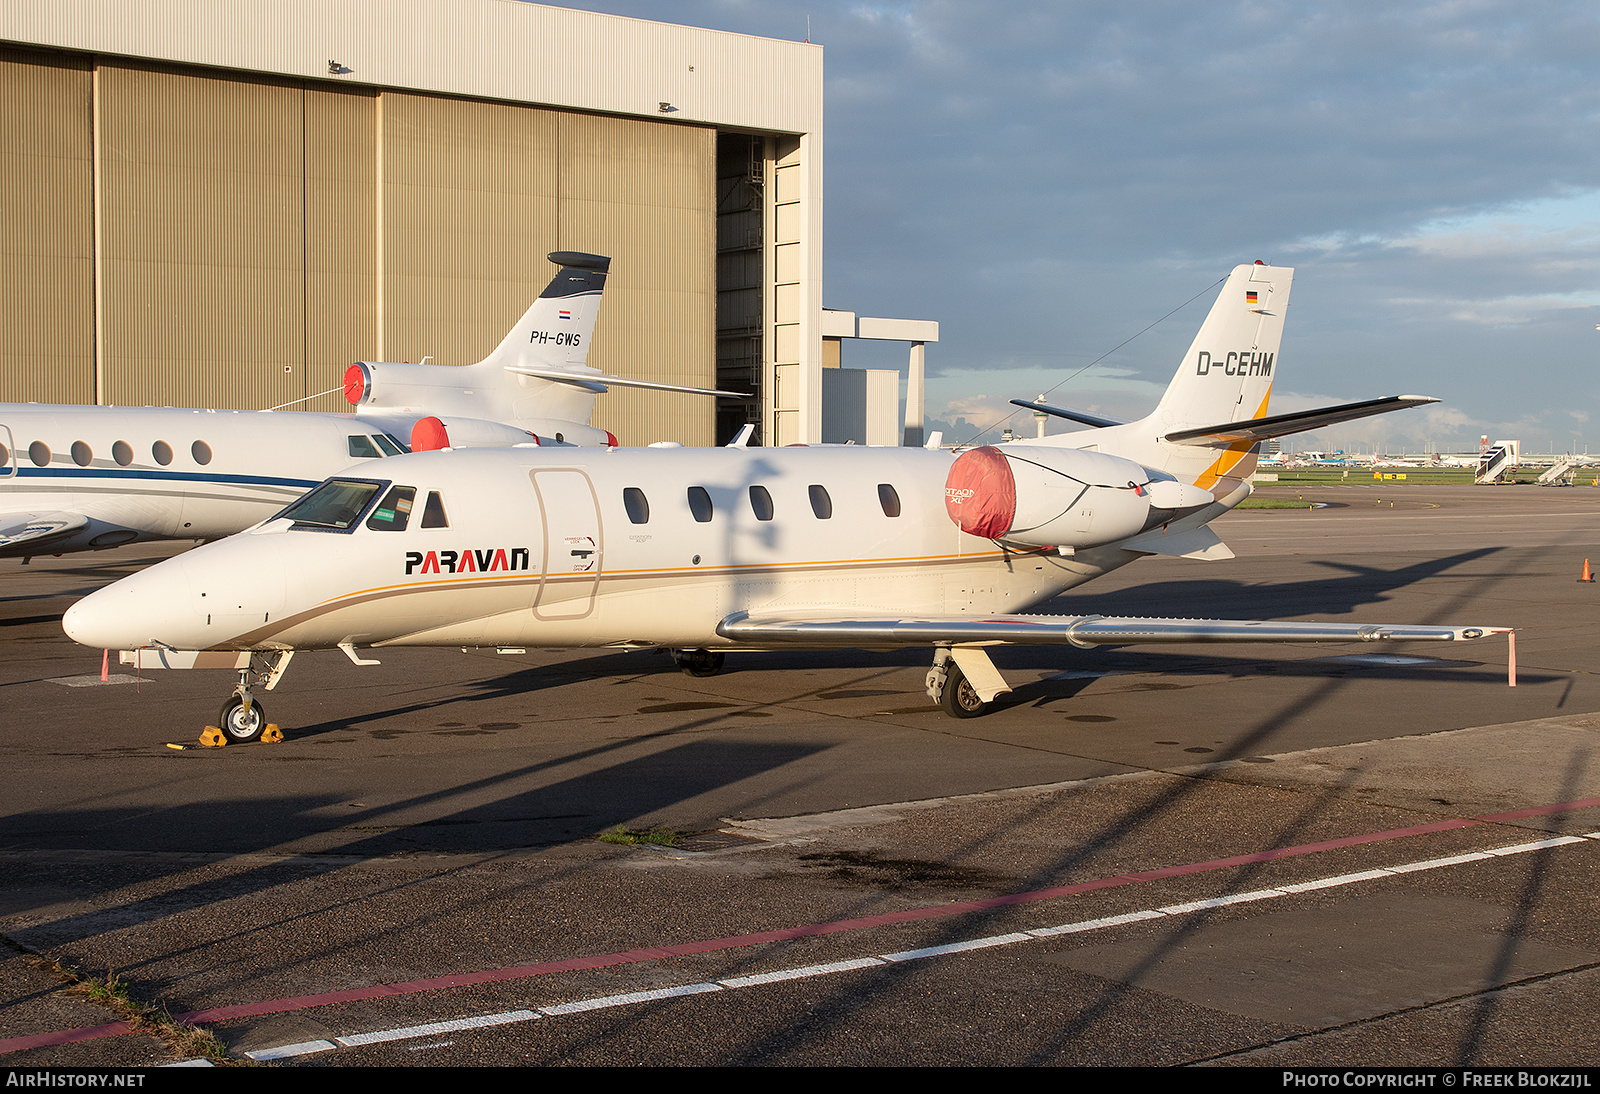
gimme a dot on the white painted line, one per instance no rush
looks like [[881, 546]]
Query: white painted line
[[800, 973], [1536, 845], [1220, 901], [630, 997], [431, 1028], [1334, 882], [1435, 863], [957, 947], [1094, 924], [283, 1052], [829, 968]]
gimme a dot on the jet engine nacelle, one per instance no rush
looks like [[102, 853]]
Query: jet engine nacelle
[[1038, 496], [471, 401], [402, 385]]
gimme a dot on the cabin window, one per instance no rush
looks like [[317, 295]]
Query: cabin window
[[637, 505], [122, 452], [201, 452], [335, 506], [433, 512], [700, 503], [162, 451], [362, 448], [39, 453], [82, 454], [821, 504], [5, 455], [889, 500], [394, 510], [390, 446], [761, 502]]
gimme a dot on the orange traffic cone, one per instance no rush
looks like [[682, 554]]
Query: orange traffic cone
[[1587, 576]]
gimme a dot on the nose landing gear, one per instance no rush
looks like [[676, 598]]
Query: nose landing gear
[[242, 719], [241, 716]]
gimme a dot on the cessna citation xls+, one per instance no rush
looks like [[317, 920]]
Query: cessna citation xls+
[[703, 551]]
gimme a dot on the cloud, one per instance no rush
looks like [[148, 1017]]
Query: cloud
[[1047, 178]]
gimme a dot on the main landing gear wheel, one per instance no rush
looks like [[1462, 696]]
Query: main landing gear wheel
[[698, 662], [958, 697], [242, 723]]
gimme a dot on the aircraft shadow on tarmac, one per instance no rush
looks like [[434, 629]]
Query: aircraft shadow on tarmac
[[530, 813], [1347, 592]]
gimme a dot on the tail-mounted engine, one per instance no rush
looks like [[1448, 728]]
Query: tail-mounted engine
[[1037, 496]]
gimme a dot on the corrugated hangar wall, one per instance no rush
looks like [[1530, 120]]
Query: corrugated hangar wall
[[253, 236]]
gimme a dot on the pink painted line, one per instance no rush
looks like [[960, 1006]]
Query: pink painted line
[[785, 934], [64, 1036]]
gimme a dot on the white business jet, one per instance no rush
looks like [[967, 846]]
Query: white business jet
[[703, 551], [75, 478]]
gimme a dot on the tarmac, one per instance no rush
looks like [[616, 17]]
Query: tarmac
[[1245, 855]]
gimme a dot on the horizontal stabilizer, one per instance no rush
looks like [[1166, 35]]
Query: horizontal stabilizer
[[1282, 425], [596, 382], [1083, 631], [38, 528], [1083, 417]]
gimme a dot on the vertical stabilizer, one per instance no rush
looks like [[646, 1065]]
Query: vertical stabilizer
[[556, 329], [553, 335], [1227, 374]]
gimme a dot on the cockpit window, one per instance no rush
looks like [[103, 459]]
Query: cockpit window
[[335, 506], [393, 511], [433, 512], [390, 446], [362, 448]]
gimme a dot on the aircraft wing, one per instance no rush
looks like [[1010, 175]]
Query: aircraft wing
[[1282, 425], [1083, 631], [36, 529]]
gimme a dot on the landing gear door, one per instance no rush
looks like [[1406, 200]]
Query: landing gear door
[[572, 544]]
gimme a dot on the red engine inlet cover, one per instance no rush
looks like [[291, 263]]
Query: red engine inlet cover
[[980, 494], [355, 384], [429, 435]]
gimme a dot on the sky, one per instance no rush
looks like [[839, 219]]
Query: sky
[[1048, 179]]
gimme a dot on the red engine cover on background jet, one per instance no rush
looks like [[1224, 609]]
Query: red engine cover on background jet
[[429, 435]]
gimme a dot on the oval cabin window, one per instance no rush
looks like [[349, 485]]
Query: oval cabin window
[[637, 505], [162, 451], [761, 502], [39, 453], [201, 452], [821, 503], [122, 452], [82, 454], [700, 503]]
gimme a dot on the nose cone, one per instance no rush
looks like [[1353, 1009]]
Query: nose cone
[[213, 597], [136, 611]]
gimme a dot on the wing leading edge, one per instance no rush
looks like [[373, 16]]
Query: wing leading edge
[[22, 532], [1301, 421], [1083, 631]]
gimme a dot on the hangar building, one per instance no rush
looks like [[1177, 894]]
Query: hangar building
[[225, 202]]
